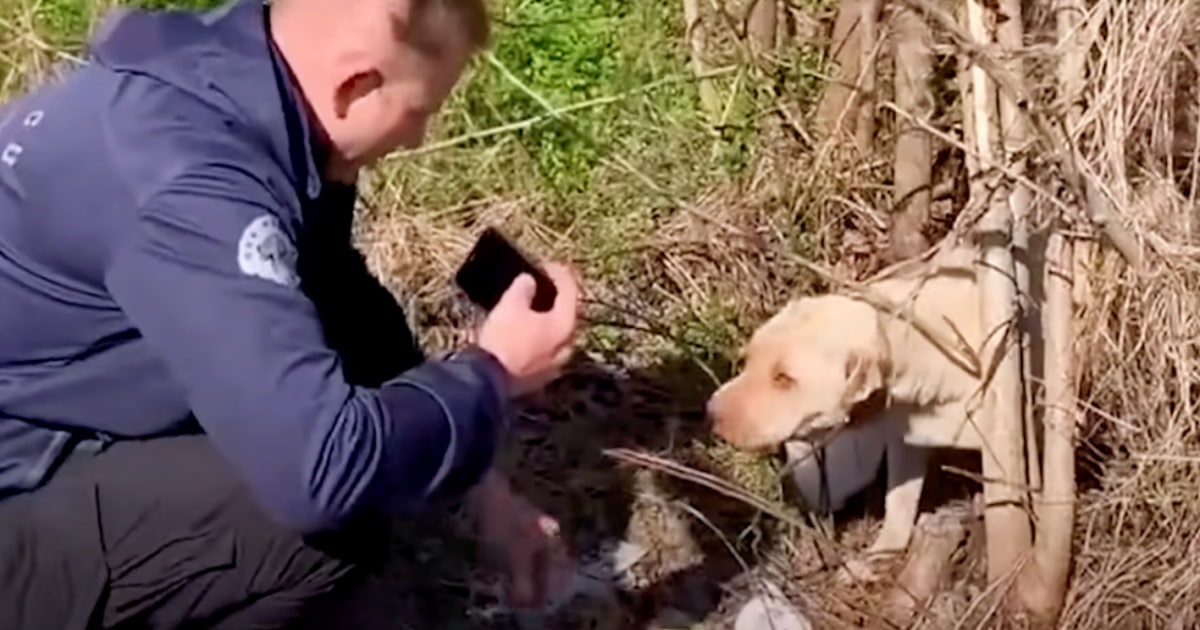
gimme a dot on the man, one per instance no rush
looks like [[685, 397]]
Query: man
[[207, 404]]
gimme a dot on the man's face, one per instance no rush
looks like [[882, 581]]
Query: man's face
[[392, 105], [420, 84]]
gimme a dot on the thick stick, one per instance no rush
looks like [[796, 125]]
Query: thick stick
[[839, 112], [864, 130], [912, 169], [761, 27], [927, 566], [1014, 132], [1008, 528], [1045, 585], [697, 36], [1045, 591]]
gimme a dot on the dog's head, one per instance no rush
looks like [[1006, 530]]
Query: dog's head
[[803, 370]]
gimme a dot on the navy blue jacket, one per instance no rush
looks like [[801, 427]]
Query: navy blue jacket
[[172, 260]]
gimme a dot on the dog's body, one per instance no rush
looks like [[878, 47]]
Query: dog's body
[[809, 366]]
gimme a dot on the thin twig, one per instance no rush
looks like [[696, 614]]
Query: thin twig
[[554, 113], [712, 482]]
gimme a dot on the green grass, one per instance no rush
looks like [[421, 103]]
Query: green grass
[[555, 53], [65, 23]]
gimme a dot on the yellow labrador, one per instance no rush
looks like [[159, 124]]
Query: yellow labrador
[[810, 364]]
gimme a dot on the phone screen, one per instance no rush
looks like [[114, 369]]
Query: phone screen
[[492, 266]]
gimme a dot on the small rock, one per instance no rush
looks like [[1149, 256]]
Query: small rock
[[770, 611]]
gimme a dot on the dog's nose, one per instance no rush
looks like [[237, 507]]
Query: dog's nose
[[713, 418]]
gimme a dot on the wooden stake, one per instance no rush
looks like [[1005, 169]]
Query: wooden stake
[[1008, 529], [912, 169], [697, 36], [1045, 586], [840, 112], [927, 566]]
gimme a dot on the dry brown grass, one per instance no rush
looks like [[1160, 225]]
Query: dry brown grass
[[1138, 523]]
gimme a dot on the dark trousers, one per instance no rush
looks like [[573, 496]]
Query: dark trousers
[[162, 534]]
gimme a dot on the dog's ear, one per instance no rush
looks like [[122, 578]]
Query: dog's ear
[[864, 376]]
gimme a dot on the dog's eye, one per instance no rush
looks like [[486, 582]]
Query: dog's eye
[[782, 380]]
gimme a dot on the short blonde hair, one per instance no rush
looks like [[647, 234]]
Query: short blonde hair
[[467, 17]]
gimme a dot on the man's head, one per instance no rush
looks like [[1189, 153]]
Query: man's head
[[805, 368], [375, 71]]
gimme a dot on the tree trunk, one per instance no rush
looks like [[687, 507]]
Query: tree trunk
[[1014, 129], [1046, 590], [839, 114], [1007, 526], [912, 170]]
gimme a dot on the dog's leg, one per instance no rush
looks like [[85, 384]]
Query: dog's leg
[[905, 480], [848, 465]]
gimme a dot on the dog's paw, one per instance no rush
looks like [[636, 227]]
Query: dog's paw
[[866, 568], [857, 571]]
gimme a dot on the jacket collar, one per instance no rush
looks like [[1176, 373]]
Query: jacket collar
[[226, 58]]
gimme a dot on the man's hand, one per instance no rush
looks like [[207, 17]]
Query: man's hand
[[533, 346], [521, 541]]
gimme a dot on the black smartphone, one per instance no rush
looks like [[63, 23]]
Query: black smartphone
[[492, 266]]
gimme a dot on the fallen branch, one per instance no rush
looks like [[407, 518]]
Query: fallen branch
[[935, 539]]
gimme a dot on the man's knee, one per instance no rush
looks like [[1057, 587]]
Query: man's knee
[[283, 581], [163, 534], [209, 551]]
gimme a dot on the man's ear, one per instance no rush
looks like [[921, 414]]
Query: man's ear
[[864, 376], [353, 87]]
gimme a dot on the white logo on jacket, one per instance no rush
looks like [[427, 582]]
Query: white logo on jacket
[[265, 251]]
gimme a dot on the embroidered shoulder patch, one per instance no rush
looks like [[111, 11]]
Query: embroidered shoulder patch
[[265, 251]]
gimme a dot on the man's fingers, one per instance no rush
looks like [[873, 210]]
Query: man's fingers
[[521, 291], [565, 315], [521, 576], [563, 356], [549, 526], [566, 282]]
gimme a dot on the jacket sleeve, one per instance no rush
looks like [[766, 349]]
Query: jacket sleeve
[[208, 278], [361, 319]]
